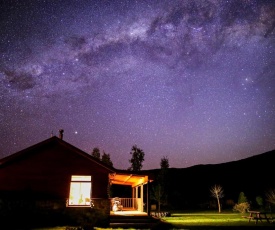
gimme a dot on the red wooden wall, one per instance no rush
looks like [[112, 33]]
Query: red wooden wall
[[47, 169]]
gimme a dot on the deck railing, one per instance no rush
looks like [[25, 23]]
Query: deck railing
[[130, 203]]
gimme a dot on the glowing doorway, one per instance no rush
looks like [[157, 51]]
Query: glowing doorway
[[80, 191]]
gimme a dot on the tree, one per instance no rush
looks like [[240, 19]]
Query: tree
[[163, 177], [164, 163], [270, 196], [260, 201], [159, 191], [217, 192], [242, 198], [96, 153], [242, 206], [105, 158], [137, 159], [157, 194]]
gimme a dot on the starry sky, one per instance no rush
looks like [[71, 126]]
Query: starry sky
[[190, 80]]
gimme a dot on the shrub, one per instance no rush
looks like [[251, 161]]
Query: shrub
[[260, 201], [242, 207], [242, 198], [30, 214]]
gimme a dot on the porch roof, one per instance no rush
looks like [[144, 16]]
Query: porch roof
[[128, 179]]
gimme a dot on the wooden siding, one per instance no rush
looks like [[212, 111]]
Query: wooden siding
[[47, 170]]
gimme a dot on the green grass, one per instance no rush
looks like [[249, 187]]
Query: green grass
[[206, 221], [213, 220]]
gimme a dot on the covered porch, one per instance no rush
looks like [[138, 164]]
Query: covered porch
[[137, 202]]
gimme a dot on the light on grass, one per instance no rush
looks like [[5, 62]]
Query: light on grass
[[208, 219]]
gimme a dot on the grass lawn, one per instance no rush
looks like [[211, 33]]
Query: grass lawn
[[206, 221], [213, 220]]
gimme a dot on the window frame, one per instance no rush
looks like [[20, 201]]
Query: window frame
[[76, 182]]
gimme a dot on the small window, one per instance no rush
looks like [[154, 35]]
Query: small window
[[80, 190]]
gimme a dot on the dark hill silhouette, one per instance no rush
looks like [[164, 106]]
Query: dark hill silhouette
[[190, 187]]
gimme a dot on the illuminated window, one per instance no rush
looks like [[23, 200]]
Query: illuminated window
[[80, 191]]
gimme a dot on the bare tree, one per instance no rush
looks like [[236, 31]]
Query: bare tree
[[217, 192], [270, 196], [157, 194]]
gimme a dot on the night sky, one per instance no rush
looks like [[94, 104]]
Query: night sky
[[193, 81]]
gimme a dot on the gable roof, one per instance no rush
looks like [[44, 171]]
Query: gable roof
[[34, 149], [116, 176]]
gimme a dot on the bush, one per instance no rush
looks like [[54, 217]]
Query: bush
[[260, 202], [29, 214], [242, 198], [242, 207]]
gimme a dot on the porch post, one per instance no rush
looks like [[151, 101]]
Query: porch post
[[141, 196], [136, 200], [147, 197], [133, 197]]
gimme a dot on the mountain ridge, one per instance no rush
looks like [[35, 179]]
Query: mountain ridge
[[190, 187]]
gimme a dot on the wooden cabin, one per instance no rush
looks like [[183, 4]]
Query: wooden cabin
[[55, 169]]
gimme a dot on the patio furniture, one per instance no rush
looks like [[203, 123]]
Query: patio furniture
[[258, 216], [116, 204]]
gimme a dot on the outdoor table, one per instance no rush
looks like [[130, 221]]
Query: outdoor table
[[257, 215]]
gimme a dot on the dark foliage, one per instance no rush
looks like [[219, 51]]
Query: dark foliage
[[189, 187], [29, 214], [136, 159]]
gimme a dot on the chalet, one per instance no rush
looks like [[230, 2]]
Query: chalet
[[56, 170]]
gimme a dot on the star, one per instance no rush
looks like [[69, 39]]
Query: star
[[173, 77]]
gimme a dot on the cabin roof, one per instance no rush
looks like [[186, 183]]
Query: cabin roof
[[34, 149], [116, 176]]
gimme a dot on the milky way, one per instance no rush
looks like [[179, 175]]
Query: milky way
[[190, 80]]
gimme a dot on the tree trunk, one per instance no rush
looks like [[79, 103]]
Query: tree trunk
[[219, 205], [159, 201]]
